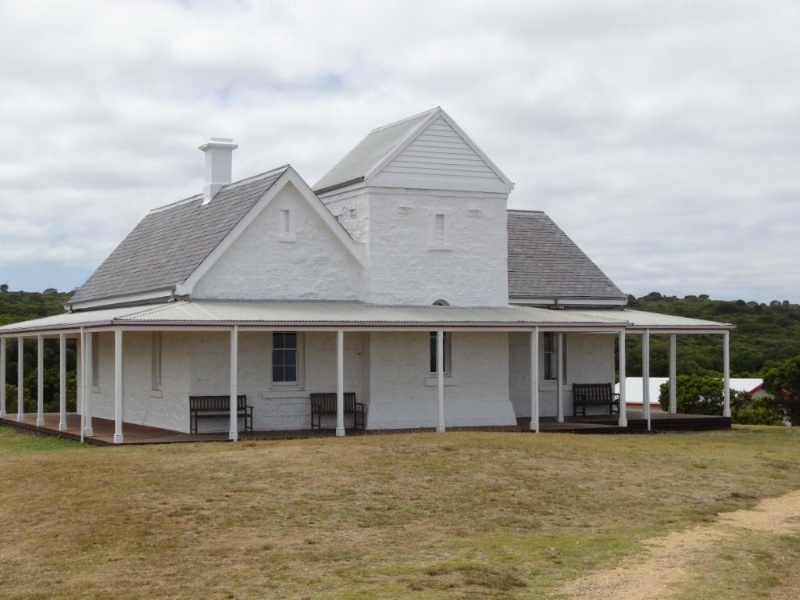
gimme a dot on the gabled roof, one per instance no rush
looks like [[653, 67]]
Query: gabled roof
[[168, 245], [429, 147], [544, 264]]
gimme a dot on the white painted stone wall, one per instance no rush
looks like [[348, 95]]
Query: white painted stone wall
[[590, 359], [167, 408], [409, 265], [269, 262], [198, 363], [351, 209], [404, 394], [389, 372], [275, 406], [469, 268]]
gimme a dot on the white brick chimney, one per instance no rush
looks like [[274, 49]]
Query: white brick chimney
[[219, 154]]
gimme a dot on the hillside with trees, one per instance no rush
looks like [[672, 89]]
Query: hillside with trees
[[766, 336], [23, 306]]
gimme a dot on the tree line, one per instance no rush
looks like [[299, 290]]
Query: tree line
[[765, 345], [23, 306]]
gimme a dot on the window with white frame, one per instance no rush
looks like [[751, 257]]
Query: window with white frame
[[448, 352], [286, 357], [551, 356], [155, 361]]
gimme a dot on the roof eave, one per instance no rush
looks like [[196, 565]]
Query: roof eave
[[147, 297]]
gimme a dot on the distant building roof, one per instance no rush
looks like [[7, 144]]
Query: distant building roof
[[544, 263], [634, 388], [171, 242]]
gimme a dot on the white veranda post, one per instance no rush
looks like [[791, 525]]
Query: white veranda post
[[233, 435], [440, 377], [82, 379], [535, 379], [673, 374], [340, 383], [726, 365], [90, 339], [39, 380], [2, 377], [118, 408], [62, 382], [646, 376], [560, 377], [623, 402], [20, 379]]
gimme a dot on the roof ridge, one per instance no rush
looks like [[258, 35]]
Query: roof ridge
[[228, 186], [411, 118]]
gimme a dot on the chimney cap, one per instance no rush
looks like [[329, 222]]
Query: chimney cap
[[218, 142]]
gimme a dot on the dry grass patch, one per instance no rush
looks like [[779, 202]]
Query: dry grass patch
[[473, 515]]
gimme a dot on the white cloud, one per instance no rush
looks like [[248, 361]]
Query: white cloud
[[663, 136]]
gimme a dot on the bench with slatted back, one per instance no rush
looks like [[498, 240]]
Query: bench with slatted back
[[325, 404], [218, 406], [593, 394]]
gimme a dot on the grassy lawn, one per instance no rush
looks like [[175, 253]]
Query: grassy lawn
[[459, 515]]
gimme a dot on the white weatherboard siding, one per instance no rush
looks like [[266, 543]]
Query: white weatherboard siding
[[438, 158], [287, 252], [590, 359], [464, 265], [404, 394]]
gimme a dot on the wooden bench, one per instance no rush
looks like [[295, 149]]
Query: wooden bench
[[325, 404], [218, 406], [593, 394]]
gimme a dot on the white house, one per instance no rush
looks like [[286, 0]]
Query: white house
[[401, 277]]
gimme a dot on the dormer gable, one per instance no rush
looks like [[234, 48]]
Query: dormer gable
[[427, 151]]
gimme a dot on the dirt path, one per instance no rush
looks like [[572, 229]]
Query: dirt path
[[667, 560]]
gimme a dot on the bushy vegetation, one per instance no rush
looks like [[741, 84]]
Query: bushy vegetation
[[704, 395], [783, 382], [766, 336], [765, 344], [23, 306]]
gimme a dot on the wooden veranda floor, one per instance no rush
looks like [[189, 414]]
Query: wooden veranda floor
[[139, 434]]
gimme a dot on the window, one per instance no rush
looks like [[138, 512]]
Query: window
[[551, 356], [286, 231], [448, 347], [438, 235], [155, 361], [284, 357]]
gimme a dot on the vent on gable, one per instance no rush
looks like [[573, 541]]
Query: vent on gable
[[219, 162]]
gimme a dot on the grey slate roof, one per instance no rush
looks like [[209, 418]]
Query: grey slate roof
[[543, 262], [171, 242], [370, 151]]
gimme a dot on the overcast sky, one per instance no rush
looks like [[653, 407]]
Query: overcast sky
[[662, 136]]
